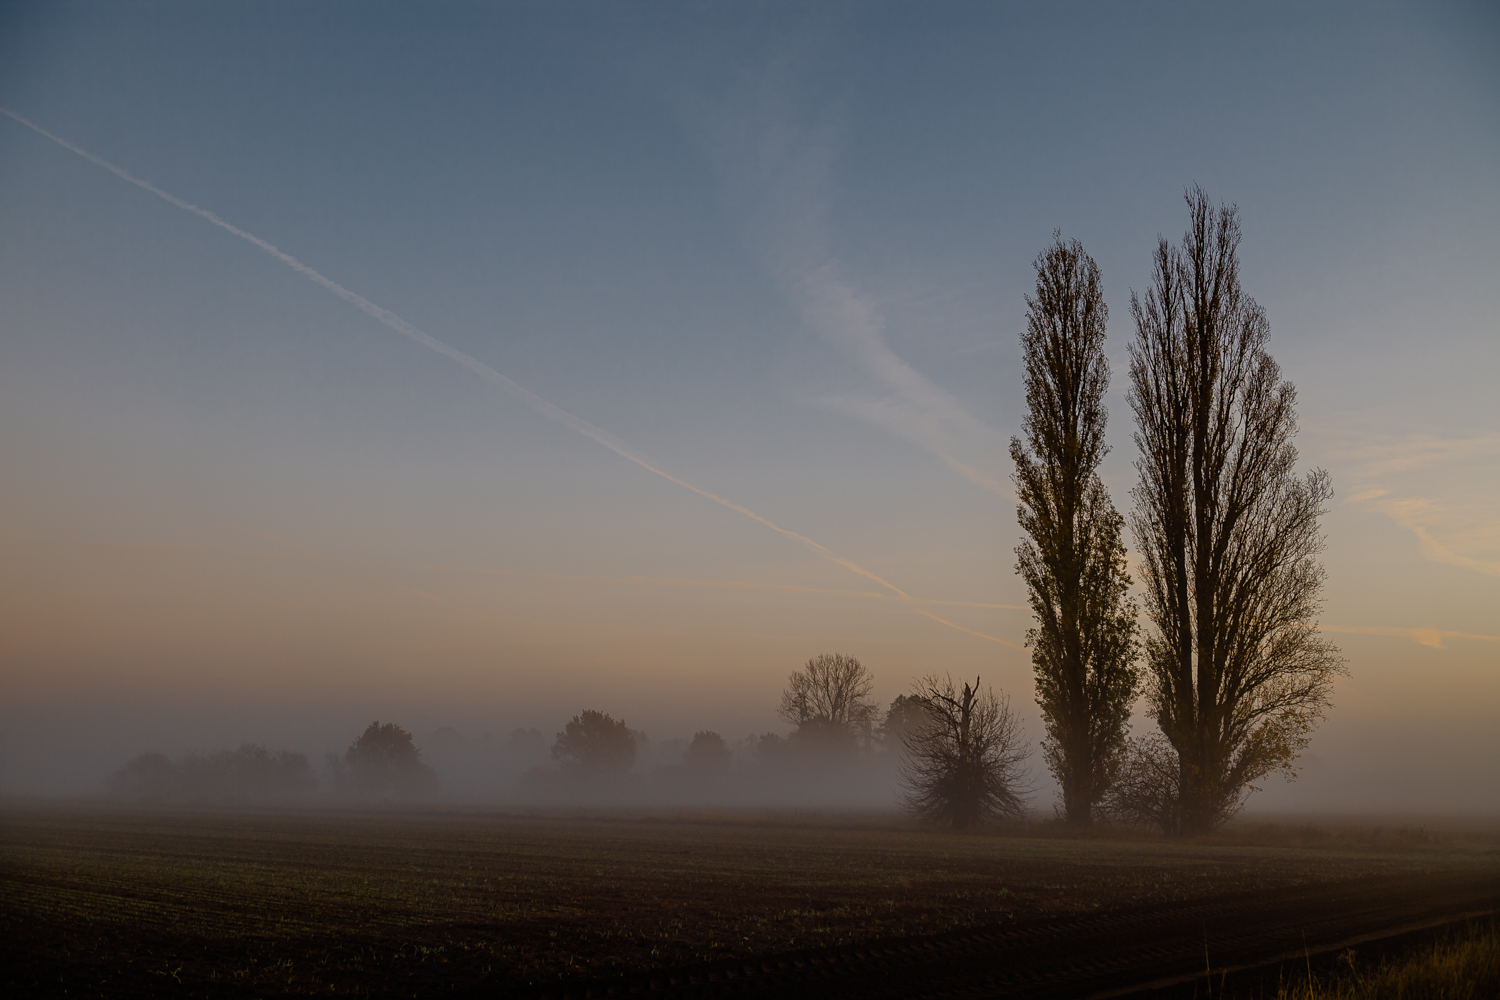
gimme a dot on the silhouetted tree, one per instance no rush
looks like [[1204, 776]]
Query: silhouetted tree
[[385, 761], [151, 777], [1227, 530], [1148, 787], [828, 700], [767, 748], [250, 773], [525, 746], [447, 740], [707, 752], [906, 714], [593, 743], [1073, 562], [963, 766]]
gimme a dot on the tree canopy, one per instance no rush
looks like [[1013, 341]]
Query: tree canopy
[[1227, 530], [248, 773], [707, 751], [593, 742], [1072, 559], [828, 700], [384, 760]]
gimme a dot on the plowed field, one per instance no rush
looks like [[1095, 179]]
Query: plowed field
[[96, 901]]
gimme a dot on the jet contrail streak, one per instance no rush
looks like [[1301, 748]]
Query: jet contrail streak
[[944, 621], [476, 366]]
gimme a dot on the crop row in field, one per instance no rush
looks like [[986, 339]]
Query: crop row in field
[[351, 901]]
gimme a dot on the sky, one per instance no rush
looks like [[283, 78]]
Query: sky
[[472, 365]]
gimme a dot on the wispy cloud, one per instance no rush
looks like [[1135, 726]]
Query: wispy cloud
[[291, 551], [900, 399], [1441, 487], [1430, 637], [903, 401], [1383, 454], [1446, 533], [991, 638], [1399, 477], [777, 163], [689, 583], [833, 309]]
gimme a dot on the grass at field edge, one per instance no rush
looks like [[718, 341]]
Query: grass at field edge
[[1463, 965]]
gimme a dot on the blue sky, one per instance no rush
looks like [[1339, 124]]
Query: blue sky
[[777, 251]]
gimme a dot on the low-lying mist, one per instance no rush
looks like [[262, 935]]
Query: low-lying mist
[[528, 767], [1415, 766], [287, 741]]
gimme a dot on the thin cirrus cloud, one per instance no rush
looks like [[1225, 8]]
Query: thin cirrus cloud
[[776, 171], [1429, 637], [907, 403], [490, 375], [1431, 485], [1446, 533]]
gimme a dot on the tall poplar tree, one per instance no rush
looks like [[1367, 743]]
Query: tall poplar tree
[[1073, 561], [1229, 537]]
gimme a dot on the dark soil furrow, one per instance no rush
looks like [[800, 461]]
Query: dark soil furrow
[[1076, 957]]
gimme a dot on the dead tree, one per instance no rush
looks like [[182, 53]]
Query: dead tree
[[963, 765], [1073, 561], [1227, 530]]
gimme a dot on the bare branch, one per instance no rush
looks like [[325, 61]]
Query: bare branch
[[963, 765]]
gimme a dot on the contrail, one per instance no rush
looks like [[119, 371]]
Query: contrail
[[476, 366], [991, 638]]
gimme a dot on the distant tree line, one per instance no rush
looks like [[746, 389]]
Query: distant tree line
[[956, 749], [1221, 642], [251, 773], [382, 762]]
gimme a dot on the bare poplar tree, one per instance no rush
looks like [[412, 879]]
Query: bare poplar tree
[[1228, 532], [963, 764], [1083, 646], [829, 699]]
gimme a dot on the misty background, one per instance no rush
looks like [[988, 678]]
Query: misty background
[[781, 255]]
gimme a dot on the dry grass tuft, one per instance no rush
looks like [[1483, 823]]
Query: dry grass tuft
[[1464, 966]]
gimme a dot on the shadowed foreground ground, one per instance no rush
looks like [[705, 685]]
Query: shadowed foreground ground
[[100, 901]]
